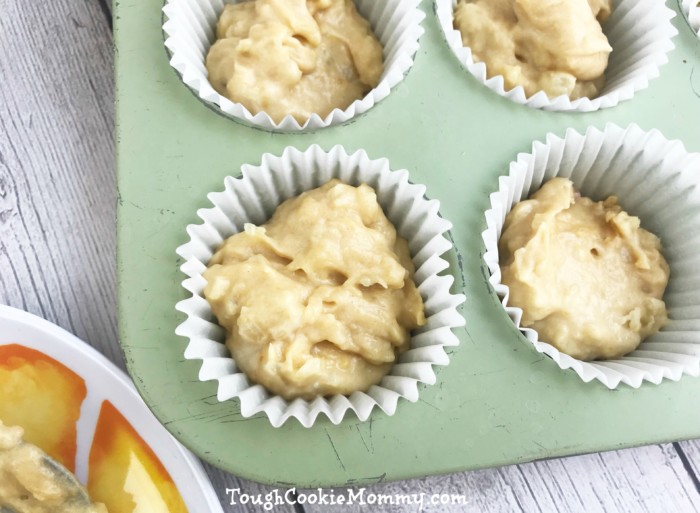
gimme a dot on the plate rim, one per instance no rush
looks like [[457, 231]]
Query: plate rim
[[11, 315]]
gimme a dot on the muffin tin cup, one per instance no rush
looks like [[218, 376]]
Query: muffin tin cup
[[692, 12], [639, 31], [654, 179], [190, 27], [252, 198]]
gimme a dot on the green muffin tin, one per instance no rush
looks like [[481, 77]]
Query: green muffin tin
[[499, 401]]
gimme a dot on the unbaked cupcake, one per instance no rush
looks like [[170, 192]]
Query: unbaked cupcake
[[635, 39], [653, 179], [206, 60], [252, 199]]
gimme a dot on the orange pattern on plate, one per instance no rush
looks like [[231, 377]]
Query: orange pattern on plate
[[124, 472], [44, 397]]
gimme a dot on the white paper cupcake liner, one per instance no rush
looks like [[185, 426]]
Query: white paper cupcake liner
[[654, 179], [190, 28], [639, 31], [691, 9], [252, 199]]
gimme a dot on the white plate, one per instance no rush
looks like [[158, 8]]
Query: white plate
[[104, 381]]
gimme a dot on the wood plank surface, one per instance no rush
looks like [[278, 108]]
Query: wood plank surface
[[690, 452], [57, 250], [57, 175], [651, 479], [57, 260]]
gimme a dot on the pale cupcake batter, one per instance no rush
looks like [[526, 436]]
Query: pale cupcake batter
[[294, 57], [555, 46], [29, 483], [319, 300], [588, 278]]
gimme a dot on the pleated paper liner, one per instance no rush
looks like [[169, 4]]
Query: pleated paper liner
[[691, 9], [639, 31], [190, 28], [654, 179], [253, 198]]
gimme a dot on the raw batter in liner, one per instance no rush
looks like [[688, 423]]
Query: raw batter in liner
[[588, 278], [555, 46], [320, 300], [294, 57]]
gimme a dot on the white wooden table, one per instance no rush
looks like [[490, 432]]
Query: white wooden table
[[57, 260]]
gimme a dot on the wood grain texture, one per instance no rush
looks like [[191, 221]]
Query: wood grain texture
[[651, 479], [57, 251], [106, 5], [57, 179], [690, 452], [57, 260]]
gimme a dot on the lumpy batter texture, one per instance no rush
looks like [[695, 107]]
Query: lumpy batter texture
[[319, 300], [555, 46], [294, 57], [31, 483], [588, 278]]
